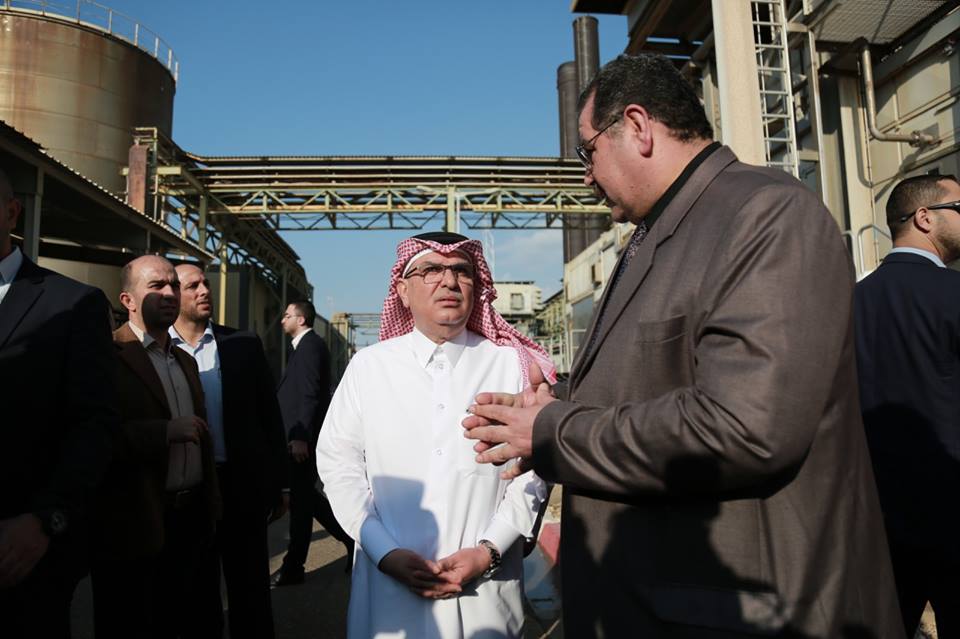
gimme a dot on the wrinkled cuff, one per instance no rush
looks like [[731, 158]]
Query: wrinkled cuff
[[375, 541], [501, 534]]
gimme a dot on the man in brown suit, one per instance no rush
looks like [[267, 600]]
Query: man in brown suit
[[715, 471], [160, 500]]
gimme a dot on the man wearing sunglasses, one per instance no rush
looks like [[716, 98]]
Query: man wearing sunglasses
[[908, 360]]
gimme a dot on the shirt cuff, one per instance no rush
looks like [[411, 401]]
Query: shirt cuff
[[375, 540], [500, 534]]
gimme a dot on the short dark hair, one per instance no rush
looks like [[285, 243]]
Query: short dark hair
[[306, 309], [911, 194], [653, 82]]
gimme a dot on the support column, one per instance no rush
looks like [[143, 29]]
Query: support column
[[739, 86], [137, 178], [31, 221], [222, 305], [202, 222], [283, 309], [452, 224]]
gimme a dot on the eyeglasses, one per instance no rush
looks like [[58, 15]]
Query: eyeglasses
[[433, 273], [585, 150], [953, 206]]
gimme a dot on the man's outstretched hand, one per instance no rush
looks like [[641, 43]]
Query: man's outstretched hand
[[420, 575], [500, 418]]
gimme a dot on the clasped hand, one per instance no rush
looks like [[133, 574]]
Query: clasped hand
[[501, 418], [441, 579]]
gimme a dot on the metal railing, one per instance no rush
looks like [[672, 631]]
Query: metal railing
[[876, 248], [103, 18]]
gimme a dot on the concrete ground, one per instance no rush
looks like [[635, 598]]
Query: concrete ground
[[316, 608]]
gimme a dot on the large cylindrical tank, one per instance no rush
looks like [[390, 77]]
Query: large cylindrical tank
[[79, 90]]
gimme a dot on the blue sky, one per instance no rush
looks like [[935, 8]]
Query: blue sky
[[372, 77]]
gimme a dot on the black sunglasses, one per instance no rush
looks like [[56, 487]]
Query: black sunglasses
[[953, 206]]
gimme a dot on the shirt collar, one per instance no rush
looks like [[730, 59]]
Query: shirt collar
[[927, 254], [10, 265], [206, 338], [296, 340], [145, 337], [424, 348]]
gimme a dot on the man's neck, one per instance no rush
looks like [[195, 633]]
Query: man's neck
[[6, 248], [441, 334], [159, 334], [190, 330], [923, 244]]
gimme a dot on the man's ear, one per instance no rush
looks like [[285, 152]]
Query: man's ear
[[127, 300], [639, 125], [402, 292], [13, 211], [924, 220]]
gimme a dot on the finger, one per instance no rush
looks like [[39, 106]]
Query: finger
[[473, 421], [494, 412], [514, 471], [482, 447], [501, 399], [499, 454], [200, 422], [492, 435], [427, 577], [544, 392], [427, 584]]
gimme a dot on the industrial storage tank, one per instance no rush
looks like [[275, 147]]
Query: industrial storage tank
[[78, 78]]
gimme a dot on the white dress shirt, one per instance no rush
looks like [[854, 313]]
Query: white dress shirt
[[922, 253], [9, 267], [207, 357], [296, 340], [399, 473]]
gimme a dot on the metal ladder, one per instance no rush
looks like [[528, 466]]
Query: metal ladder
[[769, 23]]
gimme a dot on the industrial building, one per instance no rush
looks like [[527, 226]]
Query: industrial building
[[850, 96]]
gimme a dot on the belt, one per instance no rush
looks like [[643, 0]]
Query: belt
[[178, 499]]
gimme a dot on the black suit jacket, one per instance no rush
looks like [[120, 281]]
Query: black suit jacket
[[908, 359], [253, 426], [304, 391], [56, 371]]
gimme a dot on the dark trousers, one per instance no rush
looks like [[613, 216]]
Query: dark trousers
[[39, 606], [163, 596], [307, 504], [922, 576], [241, 550]]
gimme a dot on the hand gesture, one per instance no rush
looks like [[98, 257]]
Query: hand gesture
[[300, 450], [185, 429], [465, 565], [420, 575]]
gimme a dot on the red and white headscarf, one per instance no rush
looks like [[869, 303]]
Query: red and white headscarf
[[396, 319]]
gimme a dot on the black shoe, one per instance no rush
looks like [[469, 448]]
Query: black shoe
[[286, 578]]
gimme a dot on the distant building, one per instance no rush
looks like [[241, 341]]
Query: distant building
[[519, 303]]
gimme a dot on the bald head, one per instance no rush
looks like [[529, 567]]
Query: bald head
[[150, 291], [196, 306]]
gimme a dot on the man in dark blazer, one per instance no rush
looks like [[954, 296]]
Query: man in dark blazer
[[249, 449], [715, 473], [304, 395], [56, 374], [908, 359], [159, 503]]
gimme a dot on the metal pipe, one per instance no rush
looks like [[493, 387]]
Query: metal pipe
[[567, 93], [586, 50], [916, 138]]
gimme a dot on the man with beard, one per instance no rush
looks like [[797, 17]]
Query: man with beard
[[159, 502], [908, 360], [440, 536], [248, 447]]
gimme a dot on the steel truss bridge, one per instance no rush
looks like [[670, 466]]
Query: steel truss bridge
[[233, 207]]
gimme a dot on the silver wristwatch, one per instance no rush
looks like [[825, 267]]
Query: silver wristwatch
[[495, 558]]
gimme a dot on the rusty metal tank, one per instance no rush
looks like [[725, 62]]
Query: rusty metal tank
[[78, 77]]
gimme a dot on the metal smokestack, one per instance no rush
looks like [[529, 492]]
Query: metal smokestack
[[586, 50], [567, 92]]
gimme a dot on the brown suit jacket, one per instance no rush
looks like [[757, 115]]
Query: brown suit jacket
[[715, 471], [132, 500]]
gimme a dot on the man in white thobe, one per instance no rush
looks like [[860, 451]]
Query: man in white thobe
[[439, 536]]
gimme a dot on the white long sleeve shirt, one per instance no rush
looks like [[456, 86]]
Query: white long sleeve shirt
[[400, 474]]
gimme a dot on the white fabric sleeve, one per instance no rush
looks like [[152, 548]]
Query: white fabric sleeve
[[517, 512], [341, 464]]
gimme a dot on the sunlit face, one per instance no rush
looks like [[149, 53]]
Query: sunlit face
[[606, 171], [441, 309], [154, 297], [947, 231], [195, 304]]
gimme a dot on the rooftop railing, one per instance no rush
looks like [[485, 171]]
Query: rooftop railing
[[103, 18]]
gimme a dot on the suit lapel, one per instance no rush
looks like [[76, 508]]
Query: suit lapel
[[188, 366], [135, 356], [617, 300], [26, 288]]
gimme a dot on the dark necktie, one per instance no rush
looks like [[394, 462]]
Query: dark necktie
[[633, 246]]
